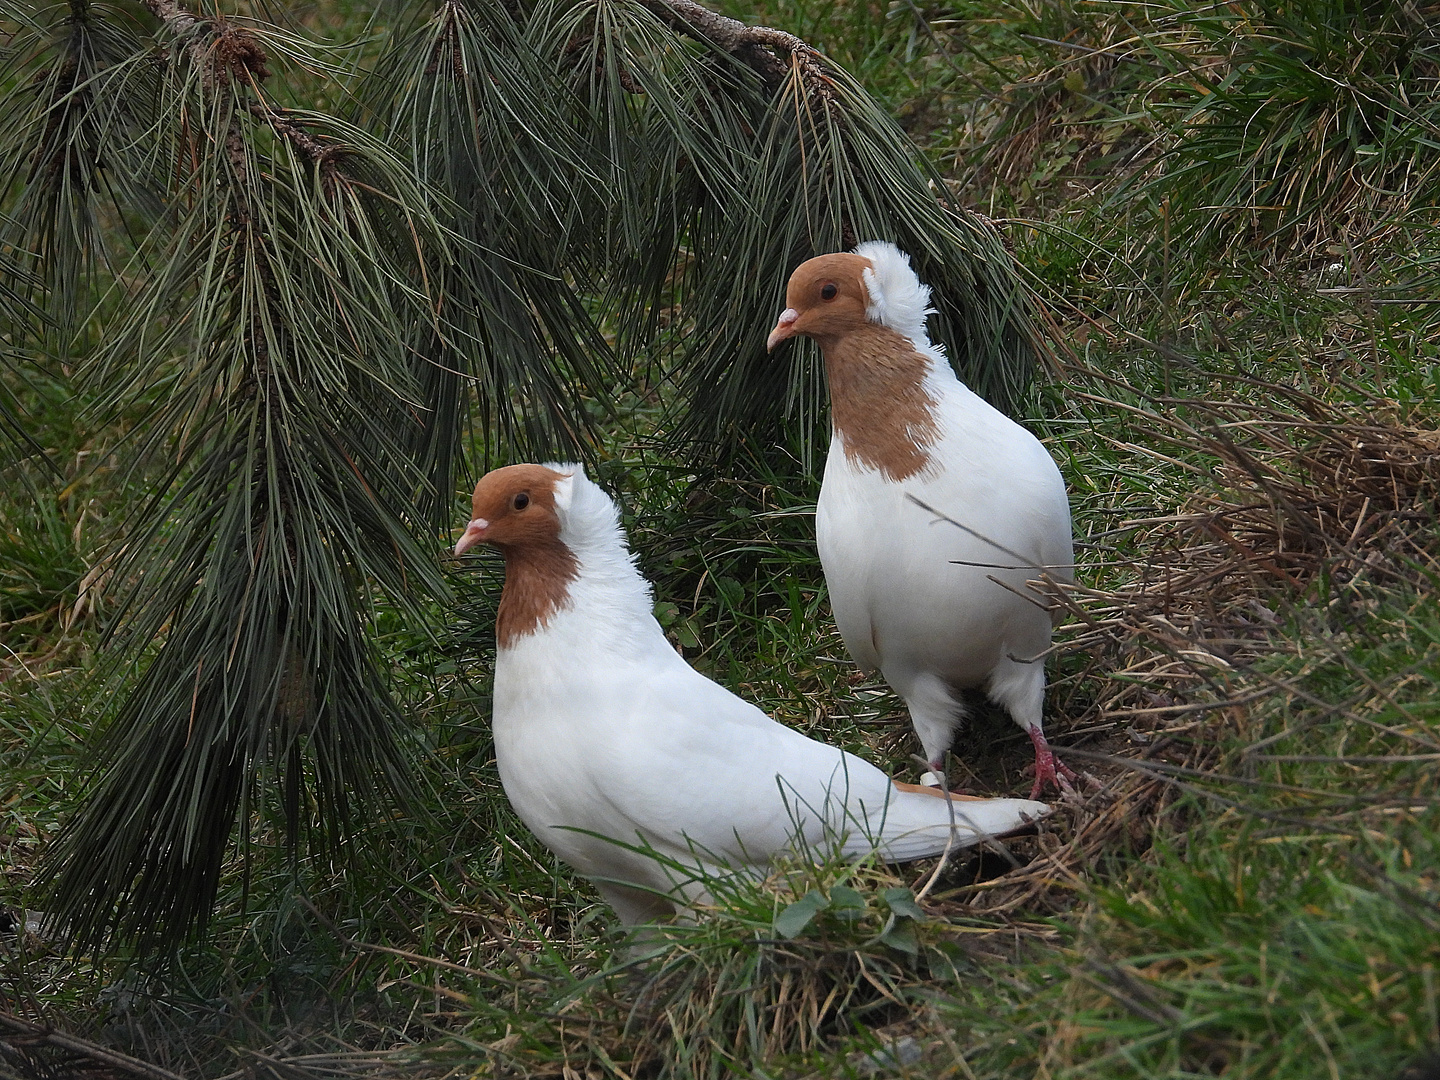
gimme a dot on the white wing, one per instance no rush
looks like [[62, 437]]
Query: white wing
[[673, 759]]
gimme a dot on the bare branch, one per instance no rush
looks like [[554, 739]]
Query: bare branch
[[768, 52]]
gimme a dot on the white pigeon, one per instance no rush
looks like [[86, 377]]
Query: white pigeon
[[603, 734], [935, 607]]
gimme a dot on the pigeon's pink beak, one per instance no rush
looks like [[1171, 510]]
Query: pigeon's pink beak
[[784, 329], [474, 534]]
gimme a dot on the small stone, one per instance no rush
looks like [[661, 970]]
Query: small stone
[[904, 1051]]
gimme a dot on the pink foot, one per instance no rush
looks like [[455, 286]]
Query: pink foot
[[1049, 770]]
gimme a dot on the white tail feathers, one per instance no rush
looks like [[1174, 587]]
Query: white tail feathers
[[918, 826]]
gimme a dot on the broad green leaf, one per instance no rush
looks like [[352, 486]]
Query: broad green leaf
[[899, 933], [846, 902], [902, 902], [790, 922]]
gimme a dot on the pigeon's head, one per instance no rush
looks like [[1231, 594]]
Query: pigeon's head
[[831, 295], [825, 299], [516, 506]]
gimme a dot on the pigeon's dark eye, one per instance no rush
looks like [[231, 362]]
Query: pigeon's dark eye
[[828, 292], [521, 501]]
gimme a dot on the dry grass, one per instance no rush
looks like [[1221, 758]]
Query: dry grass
[[1295, 505]]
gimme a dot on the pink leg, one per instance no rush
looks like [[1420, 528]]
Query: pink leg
[[1048, 769]]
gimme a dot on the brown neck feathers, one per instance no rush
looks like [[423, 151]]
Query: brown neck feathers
[[878, 401], [537, 582]]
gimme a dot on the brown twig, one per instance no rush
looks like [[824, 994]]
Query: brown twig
[[768, 52], [76, 1045], [404, 954]]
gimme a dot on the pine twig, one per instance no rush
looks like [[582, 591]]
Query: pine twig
[[767, 51]]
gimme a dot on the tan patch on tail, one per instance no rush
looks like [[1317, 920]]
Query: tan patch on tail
[[920, 789]]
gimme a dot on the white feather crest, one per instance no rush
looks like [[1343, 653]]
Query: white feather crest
[[586, 512], [590, 524], [898, 300], [564, 488]]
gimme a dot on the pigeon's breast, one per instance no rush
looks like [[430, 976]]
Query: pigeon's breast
[[912, 591], [883, 406]]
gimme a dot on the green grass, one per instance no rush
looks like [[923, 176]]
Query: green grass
[[1243, 955], [1287, 921], [1254, 892]]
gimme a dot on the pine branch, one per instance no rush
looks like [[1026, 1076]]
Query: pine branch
[[181, 25], [289, 303], [768, 52], [489, 126], [308, 145], [787, 157]]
